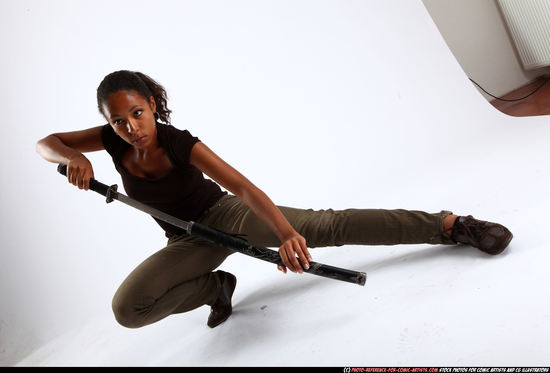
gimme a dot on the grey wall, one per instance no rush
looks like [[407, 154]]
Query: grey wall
[[476, 33]]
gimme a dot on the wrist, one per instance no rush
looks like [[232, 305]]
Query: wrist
[[74, 155], [287, 235]]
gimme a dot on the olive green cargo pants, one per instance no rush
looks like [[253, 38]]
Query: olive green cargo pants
[[180, 277]]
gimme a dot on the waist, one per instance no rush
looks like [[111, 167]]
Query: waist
[[215, 205]]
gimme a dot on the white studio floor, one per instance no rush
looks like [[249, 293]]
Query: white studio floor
[[374, 89]]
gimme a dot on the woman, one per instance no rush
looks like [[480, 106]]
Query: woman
[[163, 167]]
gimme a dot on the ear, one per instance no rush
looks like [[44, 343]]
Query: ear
[[153, 104]]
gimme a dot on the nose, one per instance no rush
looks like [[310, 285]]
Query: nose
[[132, 126]]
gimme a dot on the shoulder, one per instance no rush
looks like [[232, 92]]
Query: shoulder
[[106, 128], [178, 142], [170, 130], [112, 143], [108, 135]]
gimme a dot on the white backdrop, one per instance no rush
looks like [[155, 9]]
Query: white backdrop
[[320, 104]]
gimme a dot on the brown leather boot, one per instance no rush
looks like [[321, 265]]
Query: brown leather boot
[[491, 238], [221, 309]]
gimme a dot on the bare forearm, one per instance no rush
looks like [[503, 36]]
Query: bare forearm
[[266, 210], [292, 243], [52, 149]]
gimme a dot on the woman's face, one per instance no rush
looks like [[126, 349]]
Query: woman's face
[[132, 117]]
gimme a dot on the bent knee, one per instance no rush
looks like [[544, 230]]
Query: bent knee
[[127, 314]]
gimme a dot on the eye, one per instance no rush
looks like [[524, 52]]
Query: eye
[[138, 111], [115, 122]]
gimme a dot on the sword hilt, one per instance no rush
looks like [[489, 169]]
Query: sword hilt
[[110, 192]]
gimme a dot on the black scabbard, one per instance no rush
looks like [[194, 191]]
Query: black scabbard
[[272, 256], [221, 238]]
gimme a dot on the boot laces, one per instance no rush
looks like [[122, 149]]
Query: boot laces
[[472, 228]]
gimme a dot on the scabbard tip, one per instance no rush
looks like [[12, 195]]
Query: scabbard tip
[[362, 279]]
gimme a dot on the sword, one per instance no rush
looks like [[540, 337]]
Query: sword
[[221, 238]]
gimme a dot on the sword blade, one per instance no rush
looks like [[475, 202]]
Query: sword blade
[[185, 225]]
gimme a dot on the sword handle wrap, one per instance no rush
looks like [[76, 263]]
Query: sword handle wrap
[[95, 185]]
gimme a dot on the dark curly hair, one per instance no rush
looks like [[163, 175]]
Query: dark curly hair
[[139, 82]]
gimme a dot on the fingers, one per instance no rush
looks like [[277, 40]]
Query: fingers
[[72, 175], [289, 250], [286, 258], [87, 180], [281, 268], [79, 172], [78, 178], [304, 255], [294, 263]]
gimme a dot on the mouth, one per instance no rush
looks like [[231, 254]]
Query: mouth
[[139, 140]]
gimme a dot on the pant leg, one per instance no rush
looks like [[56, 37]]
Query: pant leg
[[330, 227], [177, 278]]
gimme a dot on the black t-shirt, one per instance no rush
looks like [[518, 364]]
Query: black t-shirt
[[183, 193]]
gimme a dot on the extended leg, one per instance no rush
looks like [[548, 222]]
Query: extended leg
[[335, 227]]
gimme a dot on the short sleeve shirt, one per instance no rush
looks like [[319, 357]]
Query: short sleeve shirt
[[184, 193]]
